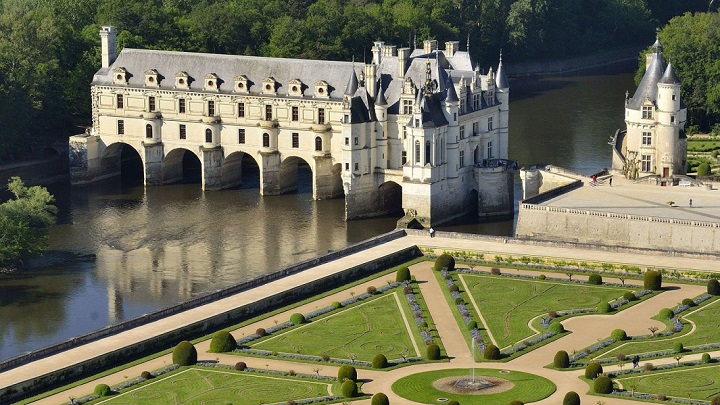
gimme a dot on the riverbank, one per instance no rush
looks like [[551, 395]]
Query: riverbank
[[594, 62]]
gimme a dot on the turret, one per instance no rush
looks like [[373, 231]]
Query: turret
[[669, 91]]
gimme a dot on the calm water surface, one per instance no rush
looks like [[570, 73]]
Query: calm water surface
[[121, 251]]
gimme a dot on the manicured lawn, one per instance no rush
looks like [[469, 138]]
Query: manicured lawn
[[705, 331], [509, 304], [205, 386], [372, 327], [528, 388], [695, 145], [702, 382]]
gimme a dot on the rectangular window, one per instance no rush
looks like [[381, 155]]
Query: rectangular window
[[357, 166], [404, 132], [181, 106], [295, 140], [476, 128], [321, 115], [357, 141], [490, 124], [119, 101], [268, 112], [476, 101], [151, 103], [462, 158], [404, 157], [241, 135], [347, 141], [295, 113], [211, 108], [672, 119], [462, 131], [647, 138], [241, 110], [489, 150], [647, 112], [407, 107], [121, 127], [183, 131], [645, 163], [347, 166]]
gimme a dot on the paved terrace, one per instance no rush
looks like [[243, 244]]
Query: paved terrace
[[628, 197], [585, 329]]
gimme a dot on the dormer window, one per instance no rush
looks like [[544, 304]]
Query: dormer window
[[647, 112], [152, 78], [120, 75], [182, 80], [295, 87], [269, 86], [321, 89], [211, 82], [241, 84]]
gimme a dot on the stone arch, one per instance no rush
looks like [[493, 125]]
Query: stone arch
[[181, 166], [477, 155], [123, 158], [473, 201], [388, 199], [240, 169], [296, 174]]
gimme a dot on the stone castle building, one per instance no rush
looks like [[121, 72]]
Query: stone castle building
[[654, 143], [422, 130]]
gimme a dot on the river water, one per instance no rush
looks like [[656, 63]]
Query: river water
[[122, 251]]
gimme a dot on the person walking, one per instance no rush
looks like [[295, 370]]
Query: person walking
[[610, 181]]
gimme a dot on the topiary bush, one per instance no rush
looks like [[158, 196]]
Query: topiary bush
[[371, 290], [595, 279], [491, 352], [713, 287], [703, 169], [379, 361], [541, 277], [556, 327], [619, 335], [297, 318], [240, 366], [706, 358], [260, 332], [689, 302], [603, 385], [380, 399], [571, 398], [146, 375], [433, 352], [184, 354], [403, 274], [516, 402], [666, 313], [604, 307], [472, 325], [349, 389], [495, 271], [593, 370], [678, 347], [652, 280], [444, 261], [630, 296], [347, 372], [336, 304], [102, 390], [562, 359], [222, 341]]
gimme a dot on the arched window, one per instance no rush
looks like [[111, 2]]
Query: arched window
[[208, 135], [417, 152], [266, 140], [148, 131], [318, 144]]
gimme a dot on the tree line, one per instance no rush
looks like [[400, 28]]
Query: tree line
[[49, 49]]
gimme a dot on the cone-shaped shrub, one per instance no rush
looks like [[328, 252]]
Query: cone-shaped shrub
[[102, 390], [562, 359], [571, 398], [593, 370], [347, 373], [619, 335], [595, 279], [433, 352], [652, 280], [445, 261], [403, 274], [713, 287], [222, 341], [491, 353], [603, 307], [349, 389], [603, 385], [380, 399], [184, 354], [379, 361]]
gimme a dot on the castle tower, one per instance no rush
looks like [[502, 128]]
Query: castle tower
[[502, 92]]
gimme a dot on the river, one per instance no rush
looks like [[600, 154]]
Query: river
[[120, 251]]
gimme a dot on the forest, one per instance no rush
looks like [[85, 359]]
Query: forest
[[49, 49]]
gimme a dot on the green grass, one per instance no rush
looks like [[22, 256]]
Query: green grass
[[203, 386], [528, 388], [700, 382], [374, 326], [702, 145], [509, 304]]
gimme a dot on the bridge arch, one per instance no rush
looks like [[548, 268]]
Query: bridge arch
[[240, 169], [296, 174], [181, 165], [388, 198], [123, 158]]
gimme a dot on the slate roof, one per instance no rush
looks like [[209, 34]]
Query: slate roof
[[669, 77], [647, 89], [500, 78]]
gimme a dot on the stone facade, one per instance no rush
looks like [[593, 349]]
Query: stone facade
[[423, 130]]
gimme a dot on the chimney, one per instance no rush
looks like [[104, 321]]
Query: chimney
[[648, 59], [370, 79], [451, 47], [403, 56], [109, 47], [429, 45], [376, 51]]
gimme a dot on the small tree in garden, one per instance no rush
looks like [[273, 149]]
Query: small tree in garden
[[444, 261], [222, 341], [571, 398], [491, 352], [604, 307], [713, 287], [619, 335], [653, 329], [380, 399], [562, 359], [379, 361], [297, 318], [102, 390], [403, 274], [433, 352], [678, 347], [595, 279], [666, 313], [652, 280], [184, 354], [349, 389], [593, 370], [603, 385], [240, 366], [347, 373]]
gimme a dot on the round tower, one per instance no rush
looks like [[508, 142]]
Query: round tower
[[671, 151], [502, 89]]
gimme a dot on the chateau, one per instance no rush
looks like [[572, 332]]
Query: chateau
[[423, 130], [654, 142]]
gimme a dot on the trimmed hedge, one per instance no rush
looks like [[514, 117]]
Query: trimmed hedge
[[593, 370], [403, 274], [491, 352], [380, 399], [652, 280], [379, 361], [630, 296], [472, 325], [706, 358], [688, 301], [571, 398], [102, 390], [222, 341], [445, 261], [595, 279], [562, 359], [619, 335], [347, 372], [240, 366], [184, 354], [603, 385], [556, 327], [336, 304], [604, 307], [433, 352], [713, 287], [666, 313], [297, 318], [146, 375], [349, 389]]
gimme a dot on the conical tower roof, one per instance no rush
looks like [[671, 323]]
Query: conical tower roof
[[451, 94], [647, 89], [669, 77], [352, 85], [500, 78]]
